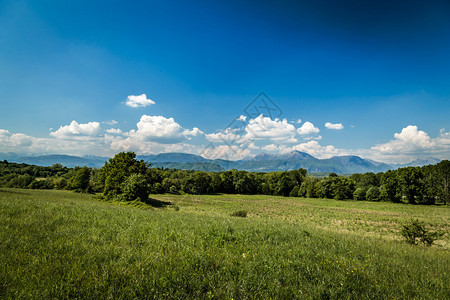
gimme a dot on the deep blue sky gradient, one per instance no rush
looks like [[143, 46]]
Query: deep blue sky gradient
[[377, 66]]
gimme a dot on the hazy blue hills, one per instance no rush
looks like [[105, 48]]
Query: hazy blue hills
[[197, 166], [419, 163], [262, 162], [294, 155], [65, 160], [296, 160]]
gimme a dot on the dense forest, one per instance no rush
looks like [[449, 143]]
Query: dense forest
[[125, 178]]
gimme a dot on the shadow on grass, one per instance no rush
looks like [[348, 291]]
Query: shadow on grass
[[157, 203]]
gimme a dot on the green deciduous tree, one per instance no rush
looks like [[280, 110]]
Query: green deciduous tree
[[443, 171], [411, 184], [80, 181], [117, 170], [373, 194], [360, 193], [390, 187], [135, 187]]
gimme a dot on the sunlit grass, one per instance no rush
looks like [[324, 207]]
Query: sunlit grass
[[379, 219], [57, 244]]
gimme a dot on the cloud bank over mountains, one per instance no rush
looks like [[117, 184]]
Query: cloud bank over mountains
[[245, 137], [158, 134]]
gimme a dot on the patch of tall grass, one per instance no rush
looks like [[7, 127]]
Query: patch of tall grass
[[57, 244]]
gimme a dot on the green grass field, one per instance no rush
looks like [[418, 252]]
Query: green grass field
[[59, 244]]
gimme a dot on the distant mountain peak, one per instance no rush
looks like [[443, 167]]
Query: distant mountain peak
[[263, 162], [293, 155], [298, 155], [263, 156]]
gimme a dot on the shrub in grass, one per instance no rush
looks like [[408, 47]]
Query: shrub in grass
[[135, 187], [239, 213], [415, 232]]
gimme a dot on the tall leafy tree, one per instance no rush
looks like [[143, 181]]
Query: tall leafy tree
[[390, 190], [443, 171], [411, 184], [81, 180], [117, 170]]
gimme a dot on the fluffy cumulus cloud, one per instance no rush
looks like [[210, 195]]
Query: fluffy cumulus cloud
[[266, 128], [229, 136], [158, 129], [14, 139], [114, 131], [138, 101], [413, 143], [337, 126], [29, 145], [193, 132], [270, 148], [410, 139], [315, 149], [242, 118], [118, 144], [308, 128], [74, 129], [155, 134]]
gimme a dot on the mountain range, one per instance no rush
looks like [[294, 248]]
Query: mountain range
[[262, 162]]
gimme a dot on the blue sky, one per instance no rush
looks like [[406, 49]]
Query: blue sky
[[377, 73]]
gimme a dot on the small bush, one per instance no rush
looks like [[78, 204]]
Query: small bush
[[239, 213], [415, 232]]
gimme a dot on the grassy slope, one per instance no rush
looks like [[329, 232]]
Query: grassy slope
[[57, 244]]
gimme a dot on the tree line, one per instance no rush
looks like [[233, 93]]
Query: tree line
[[125, 178]]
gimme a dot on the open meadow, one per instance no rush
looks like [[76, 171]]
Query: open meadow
[[60, 244]]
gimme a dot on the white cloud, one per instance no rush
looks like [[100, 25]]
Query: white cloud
[[114, 131], [194, 132], [412, 143], [266, 128], [155, 134], [111, 122], [299, 121], [15, 139], [148, 147], [29, 145], [270, 147], [410, 139], [226, 136], [242, 118], [308, 128], [74, 129], [315, 149], [337, 126], [158, 129], [138, 101]]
